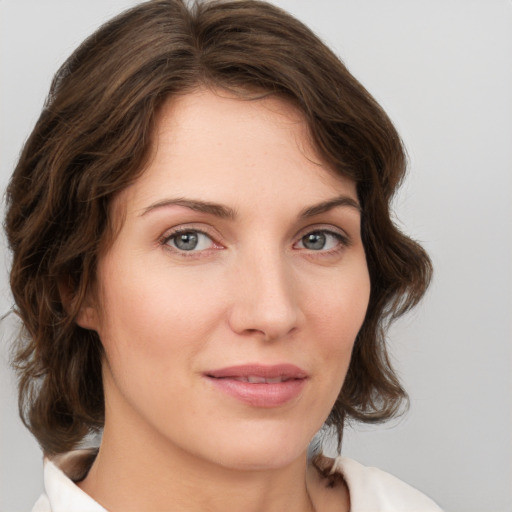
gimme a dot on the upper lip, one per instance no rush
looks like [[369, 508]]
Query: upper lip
[[285, 371]]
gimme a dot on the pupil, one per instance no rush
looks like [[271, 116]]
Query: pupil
[[315, 241], [186, 241]]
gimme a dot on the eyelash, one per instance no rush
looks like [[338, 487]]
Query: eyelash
[[164, 241], [343, 242]]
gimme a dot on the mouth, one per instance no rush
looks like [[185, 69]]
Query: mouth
[[254, 379], [260, 385], [260, 373]]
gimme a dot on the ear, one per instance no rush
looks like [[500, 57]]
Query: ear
[[87, 318], [87, 314]]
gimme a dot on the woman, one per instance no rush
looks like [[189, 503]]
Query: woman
[[204, 264]]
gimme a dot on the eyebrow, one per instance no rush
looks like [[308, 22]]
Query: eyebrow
[[225, 212], [218, 210], [325, 206]]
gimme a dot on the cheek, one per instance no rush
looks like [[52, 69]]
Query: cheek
[[153, 303], [151, 331], [341, 308], [151, 327], [339, 314]]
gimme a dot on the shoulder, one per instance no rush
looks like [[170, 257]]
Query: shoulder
[[374, 490], [61, 493]]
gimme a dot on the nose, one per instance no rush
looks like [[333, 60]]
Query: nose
[[264, 303]]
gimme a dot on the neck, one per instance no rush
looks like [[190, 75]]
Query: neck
[[132, 474]]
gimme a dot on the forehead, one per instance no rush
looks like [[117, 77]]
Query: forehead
[[219, 147]]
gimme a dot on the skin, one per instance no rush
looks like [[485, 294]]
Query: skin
[[253, 291]]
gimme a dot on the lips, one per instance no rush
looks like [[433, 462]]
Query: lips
[[278, 371], [260, 385], [254, 379]]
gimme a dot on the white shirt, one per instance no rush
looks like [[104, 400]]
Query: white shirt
[[370, 490]]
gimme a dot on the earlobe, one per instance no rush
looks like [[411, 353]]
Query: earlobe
[[86, 316]]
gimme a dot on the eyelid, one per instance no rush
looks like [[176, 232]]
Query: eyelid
[[343, 241], [192, 227], [325, 228]]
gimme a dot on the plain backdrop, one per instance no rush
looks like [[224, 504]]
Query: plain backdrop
[[443, 71]]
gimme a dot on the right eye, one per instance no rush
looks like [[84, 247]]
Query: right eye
[[190, 240]]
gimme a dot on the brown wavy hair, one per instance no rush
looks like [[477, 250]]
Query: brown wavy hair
[[93, 139]]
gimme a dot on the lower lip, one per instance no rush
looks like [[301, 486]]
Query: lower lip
[[260, 394]]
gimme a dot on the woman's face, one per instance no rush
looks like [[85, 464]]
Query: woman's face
[[229, 302]]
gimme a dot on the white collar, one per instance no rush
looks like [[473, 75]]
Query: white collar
[[370, 489], [61, 492], [374, 490]]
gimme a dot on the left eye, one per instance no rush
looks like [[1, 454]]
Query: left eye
[[190, 241], [320, 241]]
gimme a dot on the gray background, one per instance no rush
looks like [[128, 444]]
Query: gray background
[[442, 69]]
